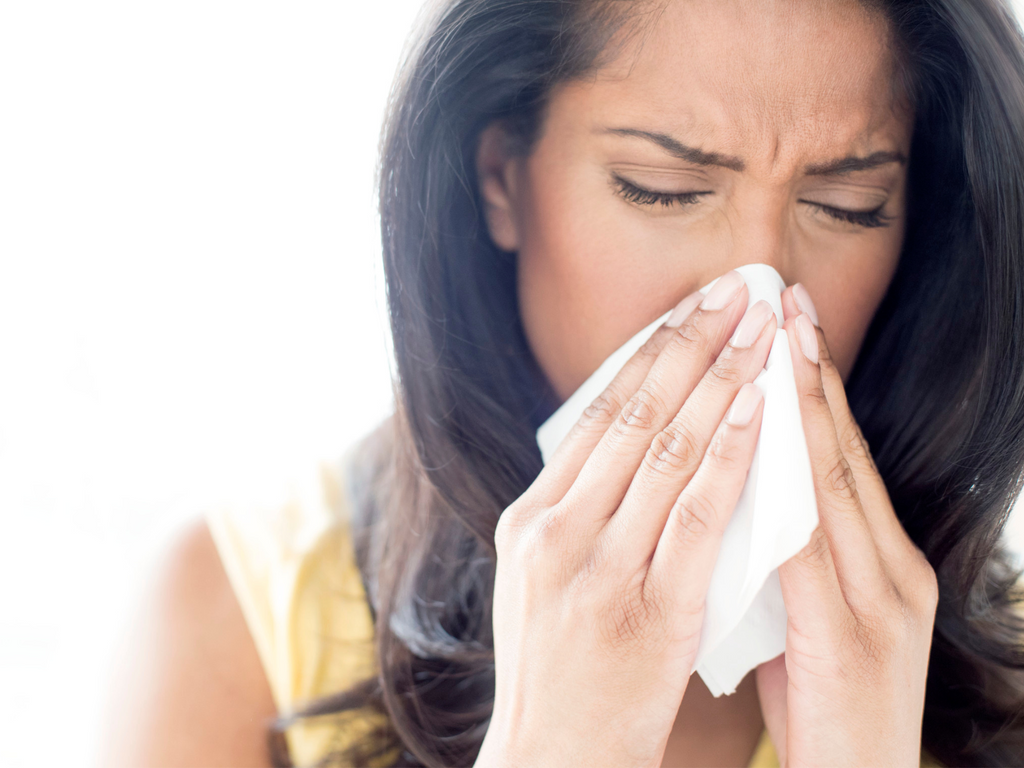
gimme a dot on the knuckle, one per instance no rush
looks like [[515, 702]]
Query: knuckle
[[726, 374], [602, 411], [900, 608], [817, 553], [692, 516], [850, 439], [930, 588], [887, 610], [640, 412], [924, 586], [650, 349], [824, 354], [693, 335], [548, 547], [551, 531], [724, 450], [511, 525], [839, 477], [865, 448], [816, 397], [861, 438], [672, 449], [504, 535], [903, 606]]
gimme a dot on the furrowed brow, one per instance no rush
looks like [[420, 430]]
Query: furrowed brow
[[852, 164], [680, 150]]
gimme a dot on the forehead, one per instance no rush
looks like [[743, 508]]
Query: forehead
[[772, 81]]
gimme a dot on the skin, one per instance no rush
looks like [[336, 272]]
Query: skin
[[776, 89], [189, 688], [810, 83], [603, 563]]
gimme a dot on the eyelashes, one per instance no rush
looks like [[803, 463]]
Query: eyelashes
[[872, 218], [634, 194], [639, 196]]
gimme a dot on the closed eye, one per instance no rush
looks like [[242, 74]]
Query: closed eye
[[640, 196], [872, 218], [647, 197]]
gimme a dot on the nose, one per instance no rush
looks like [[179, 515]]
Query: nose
[[758, 231]]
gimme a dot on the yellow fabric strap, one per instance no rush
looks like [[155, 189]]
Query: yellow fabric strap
[[291, 563]]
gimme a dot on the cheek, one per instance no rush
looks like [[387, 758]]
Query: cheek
[[588, 276], [847, 296]]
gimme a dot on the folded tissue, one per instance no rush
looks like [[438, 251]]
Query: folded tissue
[[745, 617]]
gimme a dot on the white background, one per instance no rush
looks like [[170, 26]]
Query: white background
[[190, 299]]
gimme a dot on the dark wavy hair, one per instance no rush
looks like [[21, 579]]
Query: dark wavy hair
[[937, 386]]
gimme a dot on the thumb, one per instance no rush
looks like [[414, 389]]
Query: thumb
[[772, 680]]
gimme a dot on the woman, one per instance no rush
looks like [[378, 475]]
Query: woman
[[555, 175]]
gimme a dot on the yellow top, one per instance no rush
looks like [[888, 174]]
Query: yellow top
[[292, 566]]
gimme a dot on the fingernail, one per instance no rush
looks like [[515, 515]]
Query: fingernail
[[683, 309], [724, 291], [804, 303], [807, 337], [743, 407], [752, 324]]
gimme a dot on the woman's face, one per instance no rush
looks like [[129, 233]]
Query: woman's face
[[767, 112]]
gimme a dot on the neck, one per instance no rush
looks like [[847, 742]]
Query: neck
[[713, 732]]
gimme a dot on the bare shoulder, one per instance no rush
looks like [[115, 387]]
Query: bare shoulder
[[189, 689]]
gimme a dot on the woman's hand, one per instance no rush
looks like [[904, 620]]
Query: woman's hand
[[860, 597], [604, 563]]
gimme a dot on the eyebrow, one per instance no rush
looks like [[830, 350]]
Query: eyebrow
[[838, 167], [852, 163], [680, 150]]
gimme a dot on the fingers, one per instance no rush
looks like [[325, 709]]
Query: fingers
[[796, 299], [689, 352], [816, 604], [888, 532], [676, 452], [685, 554], [845, 538], [564, 466]]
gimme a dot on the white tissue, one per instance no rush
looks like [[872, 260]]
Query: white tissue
[[745, 617]]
